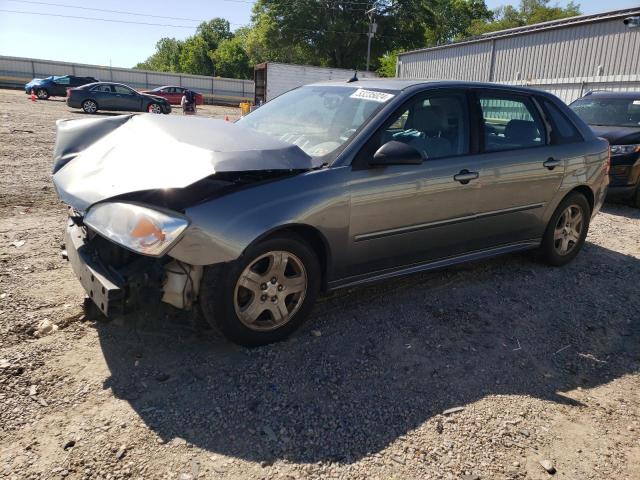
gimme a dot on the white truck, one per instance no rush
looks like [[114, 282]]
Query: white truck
[[272, 79]]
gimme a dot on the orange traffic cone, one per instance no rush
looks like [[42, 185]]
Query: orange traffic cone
[[33, 95], [226, 118]]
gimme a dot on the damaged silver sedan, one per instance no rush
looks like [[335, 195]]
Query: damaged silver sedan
[[327, 186]]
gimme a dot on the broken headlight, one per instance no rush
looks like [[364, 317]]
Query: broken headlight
[[141, 229]]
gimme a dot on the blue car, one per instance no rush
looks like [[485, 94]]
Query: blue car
[[55, 86]]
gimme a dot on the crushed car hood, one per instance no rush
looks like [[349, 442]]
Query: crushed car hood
[[96, 159]]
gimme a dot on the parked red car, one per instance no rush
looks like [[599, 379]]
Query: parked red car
[[173, 94]]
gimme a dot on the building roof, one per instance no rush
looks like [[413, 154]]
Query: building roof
[[552, 24]]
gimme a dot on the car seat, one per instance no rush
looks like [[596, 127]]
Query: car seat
[[430, 121]]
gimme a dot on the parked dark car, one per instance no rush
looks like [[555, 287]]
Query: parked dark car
[[174, 94], [327, 186], [616, 117], [55, 86], [115, 96]]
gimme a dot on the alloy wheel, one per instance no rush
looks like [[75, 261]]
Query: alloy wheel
[[90, 106], [155, 108], [270, 290], [568, 229], [41, 93]]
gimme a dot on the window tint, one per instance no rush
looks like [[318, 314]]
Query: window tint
[[510, 123], [123, 90], [436, 125], [563, 131], [63, 81]]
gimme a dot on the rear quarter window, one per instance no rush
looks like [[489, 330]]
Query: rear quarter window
[[562, 129]]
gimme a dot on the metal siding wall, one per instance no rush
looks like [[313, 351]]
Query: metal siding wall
[[15, 72], [574, 51], [561, 60], [282, 77], [466, 62]]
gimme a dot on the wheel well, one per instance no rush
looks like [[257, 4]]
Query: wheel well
[[588, 193], [314, 239]]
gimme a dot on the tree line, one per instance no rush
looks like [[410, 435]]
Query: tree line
[[333, 33]]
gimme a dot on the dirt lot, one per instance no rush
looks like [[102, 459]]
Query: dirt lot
[[544, 362]]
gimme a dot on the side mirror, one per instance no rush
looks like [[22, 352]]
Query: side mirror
[[396, 153]]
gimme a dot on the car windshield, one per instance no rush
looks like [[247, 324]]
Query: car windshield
[[610, 112], [318, 119]]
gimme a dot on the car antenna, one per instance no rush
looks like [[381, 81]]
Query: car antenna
[[354, 78]]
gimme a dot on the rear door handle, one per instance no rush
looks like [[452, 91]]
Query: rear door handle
[[465, 176], [551, 163]]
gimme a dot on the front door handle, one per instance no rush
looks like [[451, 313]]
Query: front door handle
[[551, 163], [465, 176]]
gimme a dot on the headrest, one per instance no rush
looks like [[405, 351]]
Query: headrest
[[523, 130], [428, 120]]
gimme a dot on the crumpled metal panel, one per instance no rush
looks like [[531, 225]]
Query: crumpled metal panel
[[104, 158]]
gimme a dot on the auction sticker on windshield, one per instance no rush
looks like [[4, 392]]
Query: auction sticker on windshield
[[372, 95]]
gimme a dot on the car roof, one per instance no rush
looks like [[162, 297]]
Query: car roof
[[610, 94], [399, 84], [107, 83]]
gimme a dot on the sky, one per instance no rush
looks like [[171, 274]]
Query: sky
[[47, 30]]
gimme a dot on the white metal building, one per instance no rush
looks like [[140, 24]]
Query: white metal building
[[273, 78], [566, 57]]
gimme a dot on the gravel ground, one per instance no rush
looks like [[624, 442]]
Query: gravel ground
[[477, 372]]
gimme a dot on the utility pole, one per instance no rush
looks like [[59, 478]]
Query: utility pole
[[373, 27]]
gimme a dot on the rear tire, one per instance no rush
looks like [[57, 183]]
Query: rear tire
[[42, 94], [89, 106], [566, 231], [242, 299]]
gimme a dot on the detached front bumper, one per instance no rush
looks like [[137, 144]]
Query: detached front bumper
[[105, 289]]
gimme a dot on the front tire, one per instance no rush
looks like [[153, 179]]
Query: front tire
[[154, 108], [265, 295], [89, 106], [566, 231], [42, 94]]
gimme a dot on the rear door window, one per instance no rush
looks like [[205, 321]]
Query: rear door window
[[510, 122], [123, 90], [103, 89]]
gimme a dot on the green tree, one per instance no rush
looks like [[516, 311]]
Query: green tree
[[214, 31], [453, 19], [166, 58], [194, 57], [527, 13], [231, 58], [387, 64]]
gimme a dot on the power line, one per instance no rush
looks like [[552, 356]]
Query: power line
[[78, 17], [104, 10], [191, 27]]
